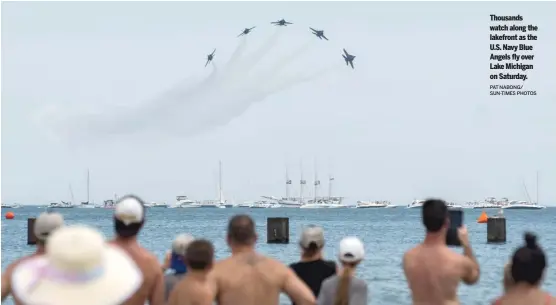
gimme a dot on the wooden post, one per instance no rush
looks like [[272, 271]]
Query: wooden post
[[496, 229], [31, 238], [278, 230]]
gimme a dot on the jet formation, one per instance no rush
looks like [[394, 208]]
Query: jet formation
[[210, 57], [348, 58], [319, 34], [246, 31], [282, 22]]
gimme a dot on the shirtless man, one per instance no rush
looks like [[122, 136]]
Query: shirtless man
[[249, 278], [433, 271], [129, 217], [45, 224], [196, 288]]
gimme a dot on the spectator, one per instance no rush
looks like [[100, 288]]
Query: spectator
[[45, 224], [79, 268], [433, 271], [249, 278], [312, 269], [196, 288], [129, 218], [346, 289], [175, 260], [527, 270]]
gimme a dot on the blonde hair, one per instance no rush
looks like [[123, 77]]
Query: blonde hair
[[342, 291]]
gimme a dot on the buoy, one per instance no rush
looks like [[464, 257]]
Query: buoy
[[483, 218], [10, 215]]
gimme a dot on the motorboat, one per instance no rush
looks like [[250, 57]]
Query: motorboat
[[371, 204], [454, 206], [417, 203], [262, 204], [183, 202], [158, 205], [109, 204], [523, 205], [210, 204], [60, 205], [86, 205], [10, 206], [490, 203]]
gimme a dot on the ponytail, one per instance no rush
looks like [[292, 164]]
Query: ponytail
[[342, 291]]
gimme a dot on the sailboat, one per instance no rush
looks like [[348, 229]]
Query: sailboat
[[526, 205], [87, 204], [316, 202], [288, 201], [219, 202], [63, 204]]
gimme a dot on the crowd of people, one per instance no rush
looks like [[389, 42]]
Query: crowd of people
[[75, 265]]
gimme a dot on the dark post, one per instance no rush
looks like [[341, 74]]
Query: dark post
[[496, 229], [31, 238], [278, 230]]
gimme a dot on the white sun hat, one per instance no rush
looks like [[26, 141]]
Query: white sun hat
[[79, 268]]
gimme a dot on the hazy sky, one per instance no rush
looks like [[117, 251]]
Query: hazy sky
[[414, 119]]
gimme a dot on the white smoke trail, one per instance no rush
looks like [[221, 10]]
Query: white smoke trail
[[187, 110]]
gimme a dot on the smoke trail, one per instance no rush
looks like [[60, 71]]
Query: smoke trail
[[255, 58], [186, 110], [274, 70]]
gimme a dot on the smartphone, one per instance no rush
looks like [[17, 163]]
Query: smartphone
[[456, 221], [177, 264]]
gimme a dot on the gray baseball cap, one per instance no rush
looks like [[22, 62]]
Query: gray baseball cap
[[180, 244], [312, 234], [47, 223]]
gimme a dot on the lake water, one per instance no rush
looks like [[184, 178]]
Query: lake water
[[387, 234]]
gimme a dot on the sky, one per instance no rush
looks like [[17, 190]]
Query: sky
[[414, 119]]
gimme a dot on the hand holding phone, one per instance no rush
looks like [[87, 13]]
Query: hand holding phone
[[456, 222]]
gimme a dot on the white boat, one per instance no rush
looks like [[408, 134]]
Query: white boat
[[490, 203], [10, 206], [60, 205], [526, 205], [209, 204], [246, 204], [87, 204], [158, 205], [523, 205], [371, 204], [315, 205], [454, 206], [416, 204], [219, 203], [183, 202], [109, 204]]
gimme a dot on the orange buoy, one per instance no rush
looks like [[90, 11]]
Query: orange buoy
[[10, 215], [483, 218]]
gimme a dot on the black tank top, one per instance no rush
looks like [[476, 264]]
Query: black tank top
[[314, 273]]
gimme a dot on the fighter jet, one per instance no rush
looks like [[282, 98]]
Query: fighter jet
[[281, 23], [210, 57], [319, 34], [348, 58], [246, 31]]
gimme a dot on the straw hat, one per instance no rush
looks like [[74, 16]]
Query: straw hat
[[79, 268]]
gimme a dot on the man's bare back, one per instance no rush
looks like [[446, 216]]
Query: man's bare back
[[152, 289], [193, 291], [433, 274], [252, 279]]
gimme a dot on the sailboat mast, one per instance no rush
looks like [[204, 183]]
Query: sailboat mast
[[301, 182], [537, 188], [317, 182], [220, 181], [288, 183], [87, 186], [330, 179]]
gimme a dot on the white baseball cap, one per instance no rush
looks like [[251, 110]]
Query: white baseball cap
[[46, 223], [79, 267], [351, 250], [180, 244], [129, 210]]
